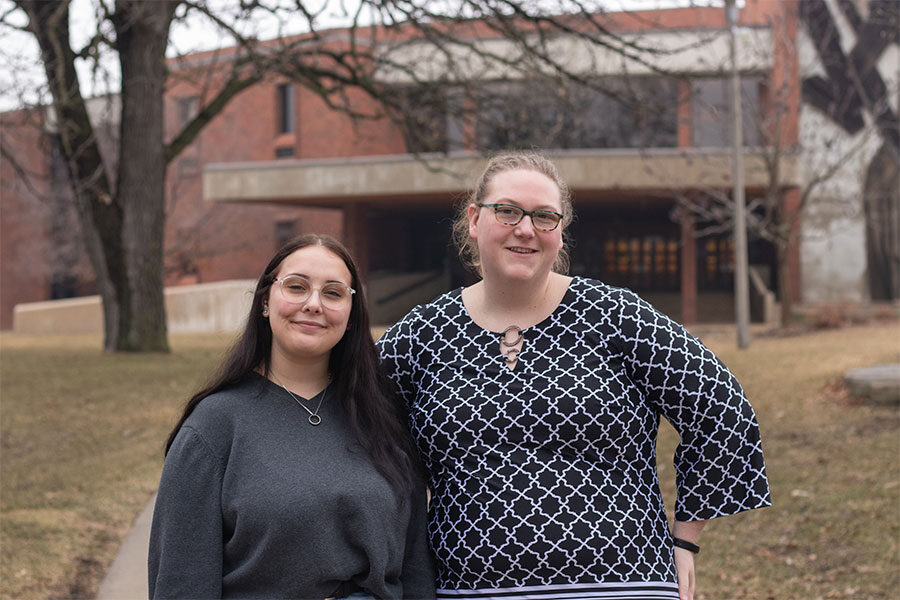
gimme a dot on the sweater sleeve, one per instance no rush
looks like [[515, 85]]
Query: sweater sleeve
[[418, 567], [719, 462], [186, 542]]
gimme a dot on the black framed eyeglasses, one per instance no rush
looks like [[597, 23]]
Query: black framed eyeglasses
[[509, 214]]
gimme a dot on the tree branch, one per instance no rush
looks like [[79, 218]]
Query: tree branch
[[187, 135], [24, 175]]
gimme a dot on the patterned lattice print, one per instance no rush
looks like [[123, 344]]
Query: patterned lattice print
[[546, 475]]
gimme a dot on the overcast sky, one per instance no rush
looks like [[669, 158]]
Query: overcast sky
[[21, 74]]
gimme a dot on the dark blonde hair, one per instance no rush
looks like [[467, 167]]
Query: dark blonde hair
[[511, 161]]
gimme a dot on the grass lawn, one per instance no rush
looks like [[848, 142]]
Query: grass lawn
[[82, 436], [82, 446]]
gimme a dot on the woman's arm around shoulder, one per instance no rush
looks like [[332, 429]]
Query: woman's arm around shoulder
[[396, 351]]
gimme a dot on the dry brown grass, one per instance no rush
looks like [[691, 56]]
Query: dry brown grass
[[82, 436]]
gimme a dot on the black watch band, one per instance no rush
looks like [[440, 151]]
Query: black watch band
[[686, 545]]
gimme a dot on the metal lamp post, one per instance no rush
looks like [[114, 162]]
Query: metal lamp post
[[741, 278]]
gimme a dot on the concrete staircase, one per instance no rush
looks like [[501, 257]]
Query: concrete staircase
[[391, 295]]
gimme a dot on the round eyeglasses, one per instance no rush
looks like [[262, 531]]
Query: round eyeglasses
[[298, 289], [509, 214]]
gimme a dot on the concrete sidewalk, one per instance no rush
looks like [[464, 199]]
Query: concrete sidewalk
[[127, 577]]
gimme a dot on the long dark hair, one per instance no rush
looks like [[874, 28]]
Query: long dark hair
[[376, 418]]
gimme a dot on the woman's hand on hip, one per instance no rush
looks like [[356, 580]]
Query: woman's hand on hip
[[684, 567], [684, 559]]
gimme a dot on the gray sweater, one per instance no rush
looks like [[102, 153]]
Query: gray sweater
[[254, 502]]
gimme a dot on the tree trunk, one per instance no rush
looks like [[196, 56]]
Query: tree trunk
[[881, 201], [142, 34], [99, 215], [122, 227], [784, 283]]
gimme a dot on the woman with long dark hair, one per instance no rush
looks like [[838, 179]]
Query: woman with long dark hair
[[291, 475]]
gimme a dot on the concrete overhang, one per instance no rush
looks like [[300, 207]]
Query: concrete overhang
[[404, 179], [648, 52]]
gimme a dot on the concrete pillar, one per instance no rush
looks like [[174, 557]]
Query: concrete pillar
[[684, 114], [688, 270], [782, 103], [356, 235]]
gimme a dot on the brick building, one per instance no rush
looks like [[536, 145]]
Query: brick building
[[277, 162]]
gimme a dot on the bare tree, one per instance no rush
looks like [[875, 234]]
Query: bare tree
[[120, 199]]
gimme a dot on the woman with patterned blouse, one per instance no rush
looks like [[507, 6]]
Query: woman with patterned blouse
[[535, 400]]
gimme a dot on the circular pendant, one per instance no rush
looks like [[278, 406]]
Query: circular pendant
[[314, 419], [515, 328]]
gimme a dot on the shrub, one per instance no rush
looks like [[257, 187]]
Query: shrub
[[829, 316]]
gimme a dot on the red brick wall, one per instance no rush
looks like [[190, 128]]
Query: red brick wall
[[24, 273], [39, 232]]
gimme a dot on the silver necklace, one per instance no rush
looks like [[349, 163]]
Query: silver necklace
[[314, 418], [510, 354]]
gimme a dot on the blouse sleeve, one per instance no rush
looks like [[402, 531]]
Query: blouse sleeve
[[186, 544], [719, 462], [397, 360]]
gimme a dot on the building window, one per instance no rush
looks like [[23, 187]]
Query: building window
[[711, 112], [649, 262], [63, 285], [284, 232], [715, 257], [187, 165], [285, 108], [617, 112], [520, 114], [430, 117], [187, 109], [284, 152]]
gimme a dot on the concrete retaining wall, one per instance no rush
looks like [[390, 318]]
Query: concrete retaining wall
[[200, 308]]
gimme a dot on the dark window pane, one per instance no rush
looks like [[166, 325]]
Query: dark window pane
[[187, 165], [285, 108], [284, 231], [429, 117], [284, 152], [63, 285], [515, 114], [616, 112], [187, 109], [711, 111]]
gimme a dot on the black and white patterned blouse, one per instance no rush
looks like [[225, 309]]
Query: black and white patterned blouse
[[543, 478]]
